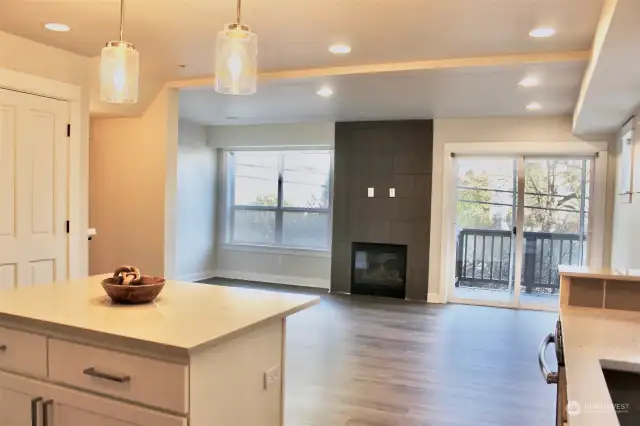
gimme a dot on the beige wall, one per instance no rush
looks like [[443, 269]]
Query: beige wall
[[196, 203], [283, 135], [26, 56], [132, 189], [545, 130]]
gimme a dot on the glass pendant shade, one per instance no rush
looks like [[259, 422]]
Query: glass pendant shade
[[119, 68], [236, 61]]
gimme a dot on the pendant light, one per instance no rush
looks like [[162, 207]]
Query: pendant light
[[119, 68], [236, 59]]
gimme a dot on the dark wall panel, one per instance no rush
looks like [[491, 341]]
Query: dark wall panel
[[383, 155]]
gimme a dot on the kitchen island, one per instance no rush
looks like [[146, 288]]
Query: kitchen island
[[600, 320], [200, 355], [594, 339], [600, 287]]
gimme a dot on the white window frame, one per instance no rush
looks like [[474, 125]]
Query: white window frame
[[446, 245], [230, 208]]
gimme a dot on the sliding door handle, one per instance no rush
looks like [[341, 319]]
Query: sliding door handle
[[34, 410], [47, 409]]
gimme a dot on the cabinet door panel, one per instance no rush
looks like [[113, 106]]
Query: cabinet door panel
[[15, 408], [77, 408], [70, 407], [66, 415]]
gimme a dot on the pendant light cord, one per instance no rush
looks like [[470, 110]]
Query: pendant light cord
[[121, 19], [238, 6]]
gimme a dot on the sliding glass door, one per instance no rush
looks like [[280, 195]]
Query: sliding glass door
[[517, 219], [556, 221], [486, 211]]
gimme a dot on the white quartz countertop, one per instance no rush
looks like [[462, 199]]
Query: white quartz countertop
[[185, 316], [600, 273], [593, 338]]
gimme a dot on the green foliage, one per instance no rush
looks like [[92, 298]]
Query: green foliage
[[552, 185], [552, 196], [321, 202], [315, 202], [270, 200], [474, 215]]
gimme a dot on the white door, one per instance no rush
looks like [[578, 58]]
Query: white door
[[33, 189]]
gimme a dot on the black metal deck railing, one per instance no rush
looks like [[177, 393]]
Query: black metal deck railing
[[483, 258]]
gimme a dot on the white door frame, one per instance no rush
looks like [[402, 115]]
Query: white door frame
[[497, 149], [34, 85]]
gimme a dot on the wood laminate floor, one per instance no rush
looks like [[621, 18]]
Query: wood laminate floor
[[362, 361]]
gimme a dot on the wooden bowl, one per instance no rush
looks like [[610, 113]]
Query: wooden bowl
[[145, 292]]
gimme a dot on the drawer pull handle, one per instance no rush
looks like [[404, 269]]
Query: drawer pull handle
[[94, 373], [3, 348]]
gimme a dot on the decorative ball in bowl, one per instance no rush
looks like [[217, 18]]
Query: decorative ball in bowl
[[128, 286]]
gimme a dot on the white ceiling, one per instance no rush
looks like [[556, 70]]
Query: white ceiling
[[613, 92], [466, 92], [295, 34]]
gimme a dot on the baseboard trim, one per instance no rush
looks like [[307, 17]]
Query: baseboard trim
[[435, 298], [272, 278], [197, 276]]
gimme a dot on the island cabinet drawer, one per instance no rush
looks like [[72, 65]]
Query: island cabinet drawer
[[130, 377], [23, 352]]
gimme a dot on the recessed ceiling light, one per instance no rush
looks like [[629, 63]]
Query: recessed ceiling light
[[340, 49], [530, 81], [325, 92], [55, 26], [542, 32], [534, 106]]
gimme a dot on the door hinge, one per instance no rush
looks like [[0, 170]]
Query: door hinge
[[68, 130], [515, 231], [67, 227]]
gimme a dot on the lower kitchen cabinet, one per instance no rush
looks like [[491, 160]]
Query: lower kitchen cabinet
[[15, 407], [65, 415], [55, 405]]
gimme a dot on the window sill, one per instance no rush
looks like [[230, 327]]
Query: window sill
[[277, 250]]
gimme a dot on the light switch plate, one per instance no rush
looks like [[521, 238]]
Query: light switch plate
[[272, 376]]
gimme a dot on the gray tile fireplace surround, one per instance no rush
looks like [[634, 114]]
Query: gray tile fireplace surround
[[383, 155]]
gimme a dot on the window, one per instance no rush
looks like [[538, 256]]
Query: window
[[279, 198]]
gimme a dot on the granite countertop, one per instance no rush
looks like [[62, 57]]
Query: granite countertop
[[600, 273], [594, 338], [185, 317]]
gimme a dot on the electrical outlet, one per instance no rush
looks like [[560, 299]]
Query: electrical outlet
[[272, 376]]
